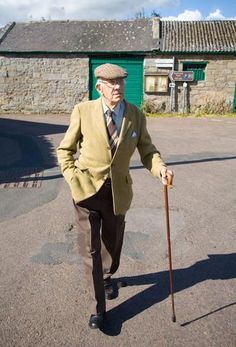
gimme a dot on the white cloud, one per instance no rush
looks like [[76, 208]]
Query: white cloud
[[186, 15], [24, 10], [215, 15], [189, 15]]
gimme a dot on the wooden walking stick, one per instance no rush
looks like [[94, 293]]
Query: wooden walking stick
[[169, 183]]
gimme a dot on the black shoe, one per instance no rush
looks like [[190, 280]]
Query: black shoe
[[121, 283], [110, 291], [96, 320]]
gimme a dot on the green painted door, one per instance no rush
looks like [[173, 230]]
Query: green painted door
[[134, 81]]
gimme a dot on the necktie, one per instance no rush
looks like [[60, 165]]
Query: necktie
[[112, 132]]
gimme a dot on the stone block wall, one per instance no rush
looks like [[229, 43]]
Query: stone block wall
[[218, 86], [42, 84], [55, 83]]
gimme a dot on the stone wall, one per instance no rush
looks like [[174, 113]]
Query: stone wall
[[218, 86], [54, 84], [45, 84]]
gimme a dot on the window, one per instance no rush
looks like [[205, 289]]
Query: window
[[197, 67], [156, 84]]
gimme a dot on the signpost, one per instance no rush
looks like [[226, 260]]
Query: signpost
[[165, 62], [185, 100], [172, 96], [181, 76]]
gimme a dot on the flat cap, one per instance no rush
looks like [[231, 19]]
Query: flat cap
[[110, 71]]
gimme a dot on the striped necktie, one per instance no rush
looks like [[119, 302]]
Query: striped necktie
[[112, 132]]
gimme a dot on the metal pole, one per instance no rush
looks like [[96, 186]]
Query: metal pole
[[185, 86]]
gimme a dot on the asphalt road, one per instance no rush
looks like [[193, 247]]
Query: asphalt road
[[42, 289]]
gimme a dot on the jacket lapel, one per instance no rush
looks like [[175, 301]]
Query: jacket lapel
[[126, 124], [98, 116]]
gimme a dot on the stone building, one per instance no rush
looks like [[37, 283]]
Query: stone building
[[47, 67]]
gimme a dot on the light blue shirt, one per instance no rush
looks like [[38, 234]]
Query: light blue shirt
[[118, 114]]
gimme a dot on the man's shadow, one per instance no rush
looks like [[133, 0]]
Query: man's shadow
[[215, 267]]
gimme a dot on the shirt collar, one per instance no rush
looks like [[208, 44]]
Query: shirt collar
[[115, 110]]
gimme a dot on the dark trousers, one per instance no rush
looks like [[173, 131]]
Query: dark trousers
[[100, 238]]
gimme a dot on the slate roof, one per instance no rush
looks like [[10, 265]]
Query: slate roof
[[120, 36], [80, 36]]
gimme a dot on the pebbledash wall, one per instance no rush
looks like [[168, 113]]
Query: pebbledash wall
[[54, 83], [43, 84], [218, 86]]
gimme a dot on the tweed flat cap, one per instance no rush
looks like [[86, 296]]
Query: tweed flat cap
[[110, 71]]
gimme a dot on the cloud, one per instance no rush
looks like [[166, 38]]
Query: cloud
[[215, 15], [186, 15], [24, 10], [189, 15]]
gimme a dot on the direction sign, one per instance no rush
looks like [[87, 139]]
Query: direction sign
[[185, 76], [164, 62]]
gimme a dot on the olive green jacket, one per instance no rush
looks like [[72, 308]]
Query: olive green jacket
[[87, 174]]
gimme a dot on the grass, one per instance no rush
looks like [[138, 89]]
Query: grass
[[190, 115]]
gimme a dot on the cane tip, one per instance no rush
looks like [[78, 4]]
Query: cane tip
[[174, 319]]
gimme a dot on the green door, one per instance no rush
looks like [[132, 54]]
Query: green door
[[134, 81], [234, 99]]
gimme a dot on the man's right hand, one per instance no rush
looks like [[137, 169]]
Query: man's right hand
[[167, 177]]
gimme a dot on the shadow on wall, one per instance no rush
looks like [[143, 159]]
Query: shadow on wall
[[25, 149]]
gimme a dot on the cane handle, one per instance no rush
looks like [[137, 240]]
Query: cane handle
[[169, 180]]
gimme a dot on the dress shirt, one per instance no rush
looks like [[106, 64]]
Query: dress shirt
[[118, 113]]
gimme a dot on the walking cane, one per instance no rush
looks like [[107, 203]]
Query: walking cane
[[169, 183]]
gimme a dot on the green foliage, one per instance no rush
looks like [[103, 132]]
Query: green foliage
[[211, 108], [143, 15], [151, 107], [220, 106]]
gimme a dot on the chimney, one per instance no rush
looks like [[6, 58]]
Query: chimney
[[156, 28]]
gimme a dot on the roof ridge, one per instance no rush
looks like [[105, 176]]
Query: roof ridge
[[83, 20], [198, 21]]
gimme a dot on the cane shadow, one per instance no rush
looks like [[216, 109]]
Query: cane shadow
[[215, 267], [183, 160]]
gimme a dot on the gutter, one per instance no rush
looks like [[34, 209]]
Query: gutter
[[153, 52], [119, 53]]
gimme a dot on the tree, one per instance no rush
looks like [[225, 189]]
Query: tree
[[142, 15]]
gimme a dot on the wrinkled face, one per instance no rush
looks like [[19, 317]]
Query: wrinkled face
[[111, 90]]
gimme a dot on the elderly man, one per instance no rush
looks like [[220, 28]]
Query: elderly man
[[107, 131]]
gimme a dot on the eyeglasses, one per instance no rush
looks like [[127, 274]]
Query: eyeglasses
[[113, 83]]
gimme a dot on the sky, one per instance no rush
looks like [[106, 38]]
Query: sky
[[34, 10]]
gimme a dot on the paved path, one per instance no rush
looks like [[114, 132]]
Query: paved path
[[42, 292]]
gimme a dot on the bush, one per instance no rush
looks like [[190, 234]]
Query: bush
[[215, 106], [151, 107]]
